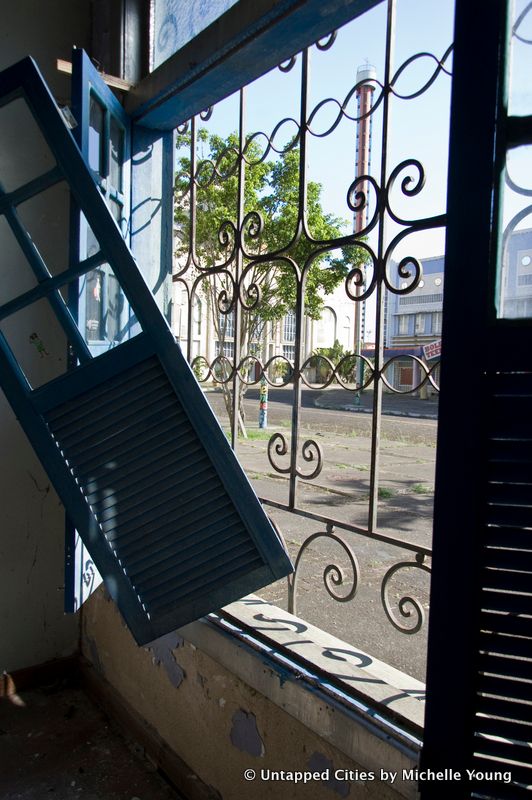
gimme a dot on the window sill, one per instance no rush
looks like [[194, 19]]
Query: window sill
[[288, 668]]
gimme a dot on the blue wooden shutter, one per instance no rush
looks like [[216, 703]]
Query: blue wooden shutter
[[479, 674], [127, 438]]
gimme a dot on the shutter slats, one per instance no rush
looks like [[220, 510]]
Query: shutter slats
[[498, 664], [124, 488], [78, 428], [157, 499], [505, 601], [510, 469], [96, 446], [509, 580], [492, 789], [79, 407], [139, 504], [505, 623], [503, 722], [519, 646], [507, 709], [139, 568], [155, 536], [205, 583], [158, 451], [158, 581], [519, 731], [513, 538], [500, 558], [506, 687], [500, 748], [157, 514]]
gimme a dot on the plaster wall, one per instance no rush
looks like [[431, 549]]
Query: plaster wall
[[216, 723], [34, 628]]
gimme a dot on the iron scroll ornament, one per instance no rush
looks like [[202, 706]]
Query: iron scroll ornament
[[407, 605]]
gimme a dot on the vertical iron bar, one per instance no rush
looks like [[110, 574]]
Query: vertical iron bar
[[380, 287], [192, 233], [238, 271], [300, 294]]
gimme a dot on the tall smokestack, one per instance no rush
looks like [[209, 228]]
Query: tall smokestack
[[366, 77]]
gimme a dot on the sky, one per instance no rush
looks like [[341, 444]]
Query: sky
[[418, 127]]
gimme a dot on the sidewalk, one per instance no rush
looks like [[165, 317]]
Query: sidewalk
[[399, 405]]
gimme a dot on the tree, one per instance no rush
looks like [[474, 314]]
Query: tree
[[271, 208]]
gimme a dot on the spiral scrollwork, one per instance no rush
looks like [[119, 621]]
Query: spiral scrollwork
[[357, 199], [410, 272], [311, 451], [407, 605], [334, 576], [357, 287], [226, 296], [227, 238], [252, 226], [250, 295], [411, 185], [278, 444]]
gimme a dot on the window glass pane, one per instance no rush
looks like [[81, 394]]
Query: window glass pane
[[116, 155], [24, 154], [515, 274], [96, 130], [177, 23], [37, 341], [45, 217], [103, 306], [520, 99], [17, 276]]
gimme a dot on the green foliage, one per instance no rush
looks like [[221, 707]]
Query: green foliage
[[271, 190], [335, 354]]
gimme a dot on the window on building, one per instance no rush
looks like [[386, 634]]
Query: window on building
[[198, 310], [226, 323], [419, 325], [226, 349], [289, 327], [402, 324], [436, 321], [289, 351]]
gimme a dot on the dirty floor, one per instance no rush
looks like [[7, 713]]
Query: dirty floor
[[55, 743]]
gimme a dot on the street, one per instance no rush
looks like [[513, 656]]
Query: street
[[341, 492]]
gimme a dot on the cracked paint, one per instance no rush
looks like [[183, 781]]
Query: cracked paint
[[245, 734], [162, 655]]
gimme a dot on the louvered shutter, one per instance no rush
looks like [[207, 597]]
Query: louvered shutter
[[479, 676], [129, 441]]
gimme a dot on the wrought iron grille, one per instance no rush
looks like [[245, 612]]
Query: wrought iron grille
[[257, 291]]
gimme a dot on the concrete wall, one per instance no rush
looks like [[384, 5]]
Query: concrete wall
[[218, 724], [34, 628]]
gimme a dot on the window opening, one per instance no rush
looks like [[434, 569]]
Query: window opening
[[267, 197]]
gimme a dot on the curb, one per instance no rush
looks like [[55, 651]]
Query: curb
[[358, 410]]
